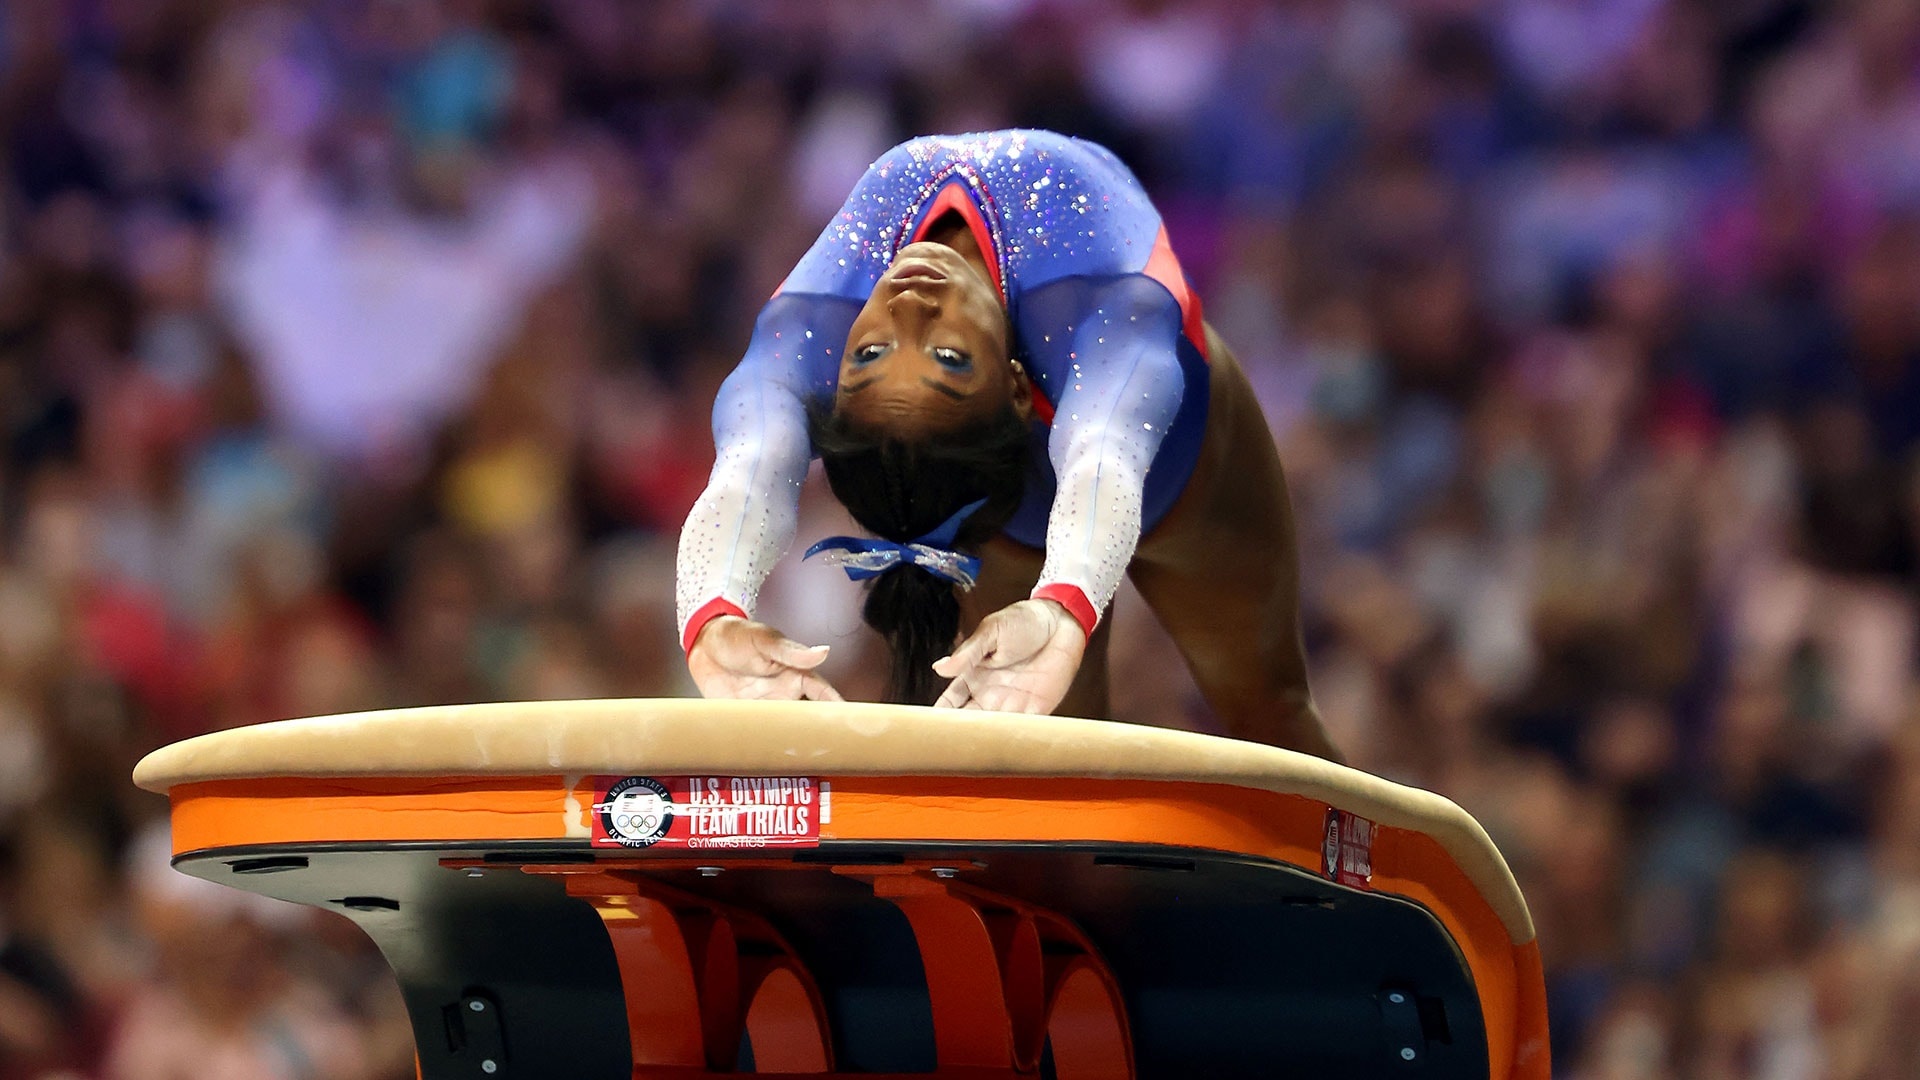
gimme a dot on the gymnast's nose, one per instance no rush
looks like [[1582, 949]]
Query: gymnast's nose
[[913, 309]]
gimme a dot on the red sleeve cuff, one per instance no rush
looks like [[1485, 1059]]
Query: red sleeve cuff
[[1074, 599], [705, 614]]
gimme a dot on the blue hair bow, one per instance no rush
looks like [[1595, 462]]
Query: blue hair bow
[[864, 558]]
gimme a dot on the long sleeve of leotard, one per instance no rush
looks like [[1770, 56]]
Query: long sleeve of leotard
[[1110, 416], [745, 518]]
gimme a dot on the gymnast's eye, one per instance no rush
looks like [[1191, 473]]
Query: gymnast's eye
[[867, 354], [953, 359]]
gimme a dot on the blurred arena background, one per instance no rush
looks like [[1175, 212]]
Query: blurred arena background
[[357, 353]]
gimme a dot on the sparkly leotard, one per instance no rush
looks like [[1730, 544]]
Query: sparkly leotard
[[1103, 319]]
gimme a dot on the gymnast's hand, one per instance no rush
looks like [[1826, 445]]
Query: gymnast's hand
[[1021, 659], [738, 658]]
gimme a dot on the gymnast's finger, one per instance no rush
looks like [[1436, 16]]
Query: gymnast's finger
[[790, 653], [815, 688], [764, 690], [992, 699], [1008, 699], [971, 651], [956, 695]]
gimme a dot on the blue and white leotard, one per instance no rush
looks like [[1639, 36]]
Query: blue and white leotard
[[1103, 319]]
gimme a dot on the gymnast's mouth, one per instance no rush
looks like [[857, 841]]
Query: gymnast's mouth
[[916, 270]]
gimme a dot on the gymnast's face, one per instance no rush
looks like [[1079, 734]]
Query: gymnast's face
[[929, 351]]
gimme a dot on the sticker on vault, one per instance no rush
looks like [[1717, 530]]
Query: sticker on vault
[[707, 811], [1346, 850]]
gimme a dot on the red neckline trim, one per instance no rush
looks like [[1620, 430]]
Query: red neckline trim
[[954, 197]]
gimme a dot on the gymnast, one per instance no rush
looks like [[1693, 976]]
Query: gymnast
[[995, 354]]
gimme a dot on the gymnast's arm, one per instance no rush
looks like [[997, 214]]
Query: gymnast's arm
[[745, 518], [1108, 424]]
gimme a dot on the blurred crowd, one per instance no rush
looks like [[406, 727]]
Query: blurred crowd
[[357, 353]]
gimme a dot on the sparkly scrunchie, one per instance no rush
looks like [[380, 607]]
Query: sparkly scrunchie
[[863, 557]]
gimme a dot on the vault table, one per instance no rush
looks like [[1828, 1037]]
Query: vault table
[[676, 889]]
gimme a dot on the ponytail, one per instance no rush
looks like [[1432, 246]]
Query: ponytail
[[901, 491], [919, 616]]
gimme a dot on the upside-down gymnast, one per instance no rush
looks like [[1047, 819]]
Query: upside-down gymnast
[[998, 360]]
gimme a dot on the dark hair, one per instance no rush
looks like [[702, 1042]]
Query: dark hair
[[899, 491]]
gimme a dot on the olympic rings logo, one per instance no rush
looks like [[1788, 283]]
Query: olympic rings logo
[[637, 811]]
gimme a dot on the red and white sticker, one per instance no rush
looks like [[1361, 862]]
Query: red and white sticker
[[1346, 851], [708, 811]]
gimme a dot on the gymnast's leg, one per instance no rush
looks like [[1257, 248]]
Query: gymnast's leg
[[1008, 571], [1222, 574]]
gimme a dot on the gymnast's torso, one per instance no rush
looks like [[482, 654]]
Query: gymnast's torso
[[1102, 318]]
